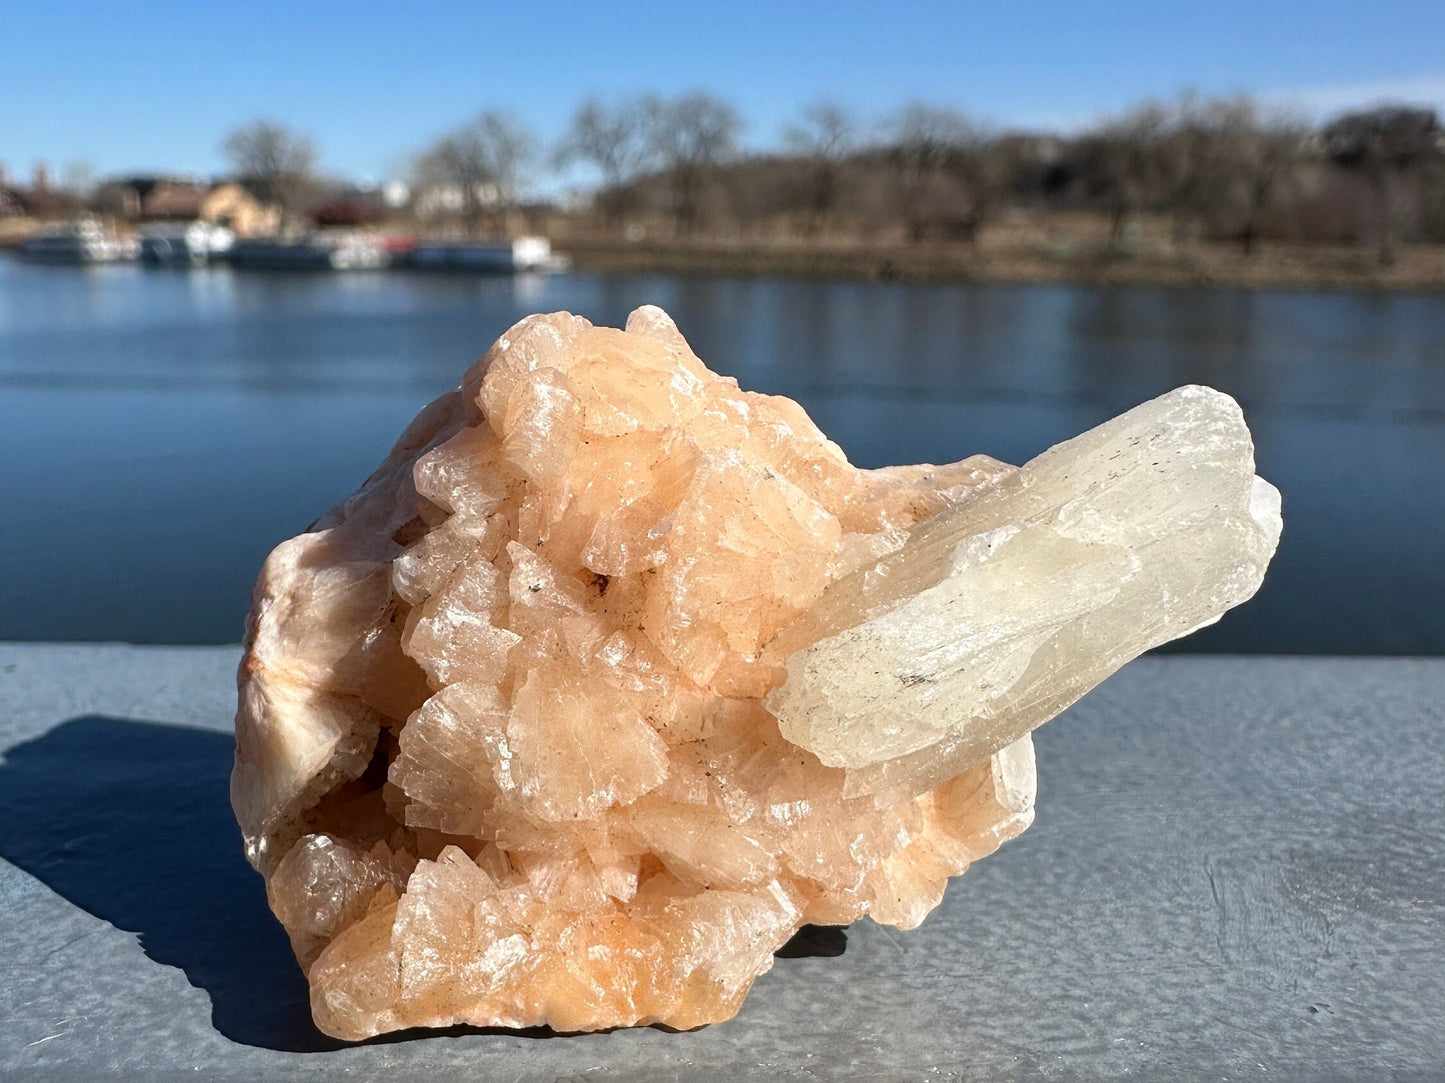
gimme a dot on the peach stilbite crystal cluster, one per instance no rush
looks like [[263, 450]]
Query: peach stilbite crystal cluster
[[614, 675]]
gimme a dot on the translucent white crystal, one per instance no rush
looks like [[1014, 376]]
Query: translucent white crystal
[[999, 612]]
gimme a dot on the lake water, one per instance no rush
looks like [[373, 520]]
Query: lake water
[[160, 431]]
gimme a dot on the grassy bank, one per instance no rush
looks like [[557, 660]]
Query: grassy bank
[[1272, 266], [1060, 249]]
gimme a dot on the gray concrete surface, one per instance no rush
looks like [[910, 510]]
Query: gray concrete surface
[[1237, 871]]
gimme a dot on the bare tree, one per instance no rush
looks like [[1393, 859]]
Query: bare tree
[[1261, 149], [274, 160], [1220, 161], [509, 151], [937, 155], [481, 164], [1123, 162], [454, 174], [691, 135], [823, 137], [1191, 161], [614, 140], [1385, 143]]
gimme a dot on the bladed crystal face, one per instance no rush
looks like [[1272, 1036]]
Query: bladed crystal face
[[613, 675]]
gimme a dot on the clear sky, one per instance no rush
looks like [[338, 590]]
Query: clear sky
[[137, 85]]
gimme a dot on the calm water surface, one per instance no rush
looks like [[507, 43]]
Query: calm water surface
[[160, 431]]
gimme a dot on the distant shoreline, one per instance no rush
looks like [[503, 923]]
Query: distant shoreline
[[1274, 266], [1293, 267]]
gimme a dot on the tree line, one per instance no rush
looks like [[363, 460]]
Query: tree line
[[1220, 169], [1214, 169], [1211, 169]]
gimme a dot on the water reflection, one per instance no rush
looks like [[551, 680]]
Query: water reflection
[[161, 431]]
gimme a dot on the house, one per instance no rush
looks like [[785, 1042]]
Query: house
[[182, 199], [126, 196], [233, 206], [173, 201]]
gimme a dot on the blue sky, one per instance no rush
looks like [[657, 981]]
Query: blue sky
[[142, 86]]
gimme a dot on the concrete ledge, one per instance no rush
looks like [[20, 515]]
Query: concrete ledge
[[1238, 870]]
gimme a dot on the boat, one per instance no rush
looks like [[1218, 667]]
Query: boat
[[84, 241], [523, 254], [184, 244], [325, 250]]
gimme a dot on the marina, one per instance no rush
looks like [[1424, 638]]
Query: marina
[[201, 243], [322, 251], [525, 254], [81, 242], [188, 244]]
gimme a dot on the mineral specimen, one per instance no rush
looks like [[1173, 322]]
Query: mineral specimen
[[614, 675]]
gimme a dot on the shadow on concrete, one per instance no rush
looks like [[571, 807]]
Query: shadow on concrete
[[131, 821]]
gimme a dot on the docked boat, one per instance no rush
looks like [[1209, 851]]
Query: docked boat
[[523, 254], [326, 250], [84, 241], [184, 244]]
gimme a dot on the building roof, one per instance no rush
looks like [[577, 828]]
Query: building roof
[[171, 199]]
